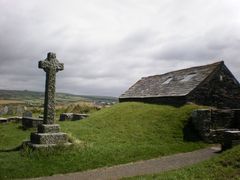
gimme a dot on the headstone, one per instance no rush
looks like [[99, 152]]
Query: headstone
[[66, 116], [72, 116], [27, 114], [1, 110], [20, 110], [48, 133], [5, 110], [10, 110]]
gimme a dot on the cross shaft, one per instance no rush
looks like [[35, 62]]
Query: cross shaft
[[51, 66]]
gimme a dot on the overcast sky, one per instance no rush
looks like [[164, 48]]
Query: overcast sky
[[107, 45]]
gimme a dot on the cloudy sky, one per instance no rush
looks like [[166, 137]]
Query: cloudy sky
[[107, 45]]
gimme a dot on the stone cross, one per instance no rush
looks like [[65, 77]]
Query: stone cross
[[51, 66]]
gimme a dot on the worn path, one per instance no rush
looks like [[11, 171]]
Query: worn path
[[140, 168]]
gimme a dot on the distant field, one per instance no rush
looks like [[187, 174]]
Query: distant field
[[11, 102], [32, 97]]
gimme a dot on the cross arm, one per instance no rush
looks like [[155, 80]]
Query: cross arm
[[43, 64], [60, 67]]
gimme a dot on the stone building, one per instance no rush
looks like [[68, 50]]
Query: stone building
[[212, 85]]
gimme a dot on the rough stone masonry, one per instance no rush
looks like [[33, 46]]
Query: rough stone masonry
[[48, 133]]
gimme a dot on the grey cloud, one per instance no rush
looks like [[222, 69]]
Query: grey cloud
[[108, 46], [212, 45]]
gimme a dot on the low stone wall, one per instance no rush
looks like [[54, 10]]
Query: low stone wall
[[10, 119], [207, 120]]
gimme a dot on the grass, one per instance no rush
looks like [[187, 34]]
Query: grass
[[224, 166], [122, 133], [11, 135]]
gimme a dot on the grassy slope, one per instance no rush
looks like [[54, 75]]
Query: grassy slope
[[225, 166], [123, 133]]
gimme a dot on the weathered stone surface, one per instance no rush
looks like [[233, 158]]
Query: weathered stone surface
[[72, 116], [49, 138], [48, 133], [51, 66], [66, 116], [48, 128], [212, 123], [29, 122], [44, 146], [202, 122], [231, 139], [5, 109]]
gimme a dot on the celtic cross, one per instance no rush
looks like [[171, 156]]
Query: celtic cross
[[51, 66]]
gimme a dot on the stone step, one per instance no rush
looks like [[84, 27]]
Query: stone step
[[48, 128], [43, 146], [49, 138]]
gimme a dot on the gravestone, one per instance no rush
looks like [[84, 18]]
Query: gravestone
[[48, 133], [20, 110], [5, 110], [27, 114], [66, 116], [10, 110], [72, 116], [31, 122], [1, 110]]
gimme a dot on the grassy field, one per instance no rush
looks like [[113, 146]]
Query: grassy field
[[2, 102], [33, 98], [225, 166], [123, 133]]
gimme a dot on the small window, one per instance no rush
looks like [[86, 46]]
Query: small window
[[188, 77], [167, 81], [221, 78]]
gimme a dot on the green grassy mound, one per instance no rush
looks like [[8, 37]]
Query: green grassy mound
[[123, 133], [224, 166]]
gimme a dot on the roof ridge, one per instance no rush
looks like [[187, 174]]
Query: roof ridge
[[202, 66]]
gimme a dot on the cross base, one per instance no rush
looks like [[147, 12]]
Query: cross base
[[48, 135], [49, 138]]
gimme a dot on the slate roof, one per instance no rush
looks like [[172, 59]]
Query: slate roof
[[175, 83]]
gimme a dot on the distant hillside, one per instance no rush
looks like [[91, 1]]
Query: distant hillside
[[34, 97]]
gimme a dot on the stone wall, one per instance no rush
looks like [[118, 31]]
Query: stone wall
[[207, 121], [220, 90]]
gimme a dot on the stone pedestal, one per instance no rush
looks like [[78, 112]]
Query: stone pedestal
[[48, 135]]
